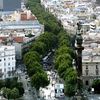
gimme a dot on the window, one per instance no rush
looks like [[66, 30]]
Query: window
[[0, 70], [86, 66], [55, 90], [0, 60], [4, 69], [97, 72], [63, 90], [86, 82], [60, 91], [8, 64], [9, 68], [4, 58], [86, 72], [96, 66], [9, 74]]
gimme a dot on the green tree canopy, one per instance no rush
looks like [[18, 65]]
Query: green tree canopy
[[2, 83], [64, 55], [70, 89], [49, 39], [39, 47], [52, 27], [34, 68], [31, 57], [96, 85], [64, 50], [6, 92], [39, 80], [71, 76], [14, 93], [70, 81], [19, 86], [10, 93], [62, 69], [63, 58], [11, 82]]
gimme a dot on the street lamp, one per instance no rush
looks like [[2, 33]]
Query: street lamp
[[78, 60]]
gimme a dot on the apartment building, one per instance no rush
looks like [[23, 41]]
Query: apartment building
[[7, 61], [91, 57], [19, 28], [69, 12]]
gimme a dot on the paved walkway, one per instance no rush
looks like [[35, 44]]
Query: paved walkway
[[29, 94], [94, 97], [48, 93]]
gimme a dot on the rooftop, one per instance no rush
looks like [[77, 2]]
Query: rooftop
[[20, 24]]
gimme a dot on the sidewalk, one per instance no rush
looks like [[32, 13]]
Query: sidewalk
[[30, 93]]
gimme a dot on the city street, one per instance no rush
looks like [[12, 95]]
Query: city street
[[30, 93], [48, 93], [93, 97]]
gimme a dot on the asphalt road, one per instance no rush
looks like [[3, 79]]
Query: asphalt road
[[93, 97], [29, 94]]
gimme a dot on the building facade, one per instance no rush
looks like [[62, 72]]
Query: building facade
[[7, 61], [10, 5], [91, 57]]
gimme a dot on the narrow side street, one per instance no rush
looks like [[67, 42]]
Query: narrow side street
[[30, 93]]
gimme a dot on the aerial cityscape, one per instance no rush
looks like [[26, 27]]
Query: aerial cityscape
[[49, 50]]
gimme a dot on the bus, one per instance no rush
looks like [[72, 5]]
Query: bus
[[59, 90]]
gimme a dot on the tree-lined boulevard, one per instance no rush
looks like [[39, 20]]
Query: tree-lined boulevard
[[54, 37]]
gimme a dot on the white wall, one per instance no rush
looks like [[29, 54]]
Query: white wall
[[7, 59]]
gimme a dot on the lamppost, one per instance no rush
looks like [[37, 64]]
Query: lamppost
[[79, 48]]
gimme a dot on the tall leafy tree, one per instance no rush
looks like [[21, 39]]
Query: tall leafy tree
[[31, 57], [34, 68], [65, 50], [19, 86], [63, 58], [6, 92], [14, 93], [2, 83], [96, 85], [49, 39], [62, 69], [39, 47], [39, 80], [64, 54], [70, 81]]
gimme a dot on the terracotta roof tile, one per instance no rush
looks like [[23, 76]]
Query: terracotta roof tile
[[18, 39]]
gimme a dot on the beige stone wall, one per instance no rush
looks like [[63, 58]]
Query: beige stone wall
[[91, 72]]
